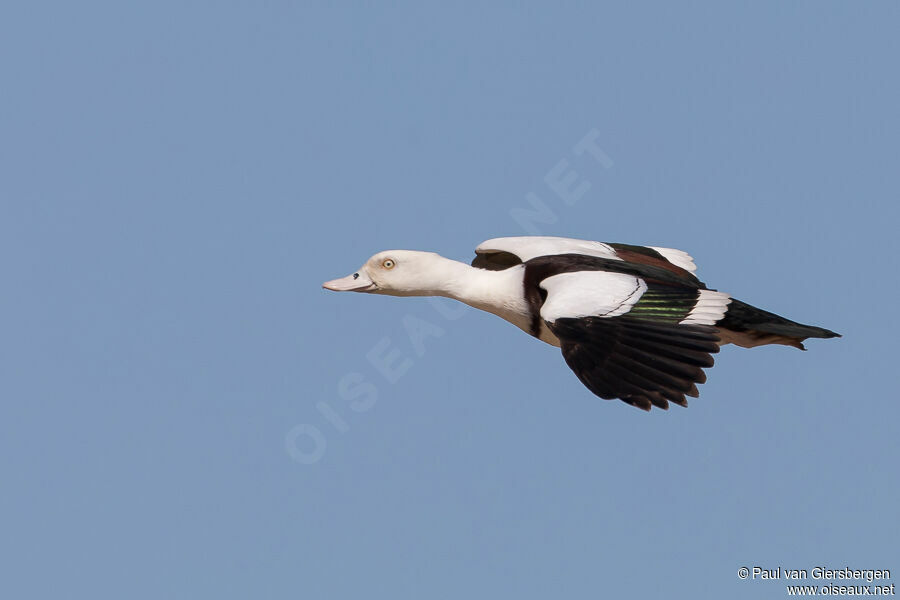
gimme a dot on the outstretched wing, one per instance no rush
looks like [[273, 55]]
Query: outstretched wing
[[643, 341], [643, 363], [502, 253], [531, 246]]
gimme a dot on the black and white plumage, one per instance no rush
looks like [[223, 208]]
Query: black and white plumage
[[633, 322]]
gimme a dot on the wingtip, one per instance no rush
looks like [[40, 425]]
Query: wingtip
[[640, 402]]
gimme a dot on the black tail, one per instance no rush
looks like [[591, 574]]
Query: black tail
[[749, 326]]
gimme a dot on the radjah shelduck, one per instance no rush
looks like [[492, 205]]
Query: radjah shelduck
[[633, 322]]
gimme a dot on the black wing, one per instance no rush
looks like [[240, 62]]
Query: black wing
[[495, 260], [644, 363]]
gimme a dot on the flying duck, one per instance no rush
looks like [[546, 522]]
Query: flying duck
[[633, 322]]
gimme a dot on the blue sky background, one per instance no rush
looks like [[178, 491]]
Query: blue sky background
[[177, 179]]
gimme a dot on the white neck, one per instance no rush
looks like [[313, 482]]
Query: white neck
[[497, 292]]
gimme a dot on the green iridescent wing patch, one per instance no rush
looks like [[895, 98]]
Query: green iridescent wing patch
[[664, 304]]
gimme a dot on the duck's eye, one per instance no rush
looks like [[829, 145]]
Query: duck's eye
[[388, 263], [356, 276]]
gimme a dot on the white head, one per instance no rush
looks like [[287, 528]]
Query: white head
[[398, 273]]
